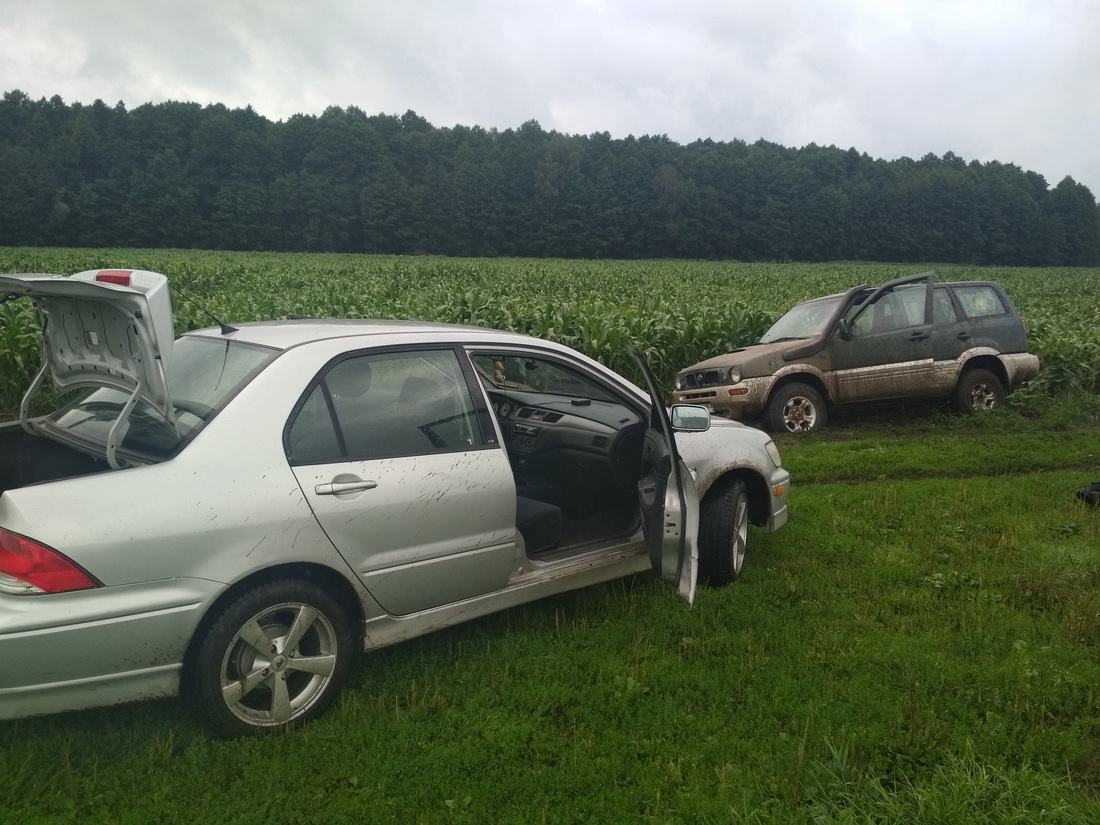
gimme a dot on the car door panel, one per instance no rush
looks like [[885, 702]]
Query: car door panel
[[420, 531], [406, 479], [951, 337], [668, 498]]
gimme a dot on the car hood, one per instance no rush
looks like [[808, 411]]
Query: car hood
[[755, 360], [103, 328]]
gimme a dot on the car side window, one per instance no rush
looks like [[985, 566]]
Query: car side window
[[943, 308], [312, 438], [979, 300], [386, 405], [884, 314], [538, 375], [910, 300], [892, 310]]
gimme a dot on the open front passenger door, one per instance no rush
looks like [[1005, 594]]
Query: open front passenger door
[[668, 498]]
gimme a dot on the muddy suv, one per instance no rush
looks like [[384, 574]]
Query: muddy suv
[[910, 338]]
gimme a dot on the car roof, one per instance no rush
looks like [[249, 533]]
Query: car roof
[[293, 332]]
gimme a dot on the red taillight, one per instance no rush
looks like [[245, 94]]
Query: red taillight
[[29, 567], [120, 277]]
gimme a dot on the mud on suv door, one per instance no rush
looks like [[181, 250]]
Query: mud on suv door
[[882, 349]]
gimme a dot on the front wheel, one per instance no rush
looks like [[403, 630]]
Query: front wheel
[[724, 532], [273, 658], [978, 390], [795, 408]]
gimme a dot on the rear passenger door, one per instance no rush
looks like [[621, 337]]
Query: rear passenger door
[[399, 461], [992, 320], [950, 338]]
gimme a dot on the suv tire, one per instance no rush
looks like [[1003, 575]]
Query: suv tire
[[978, 390], [795, 408]]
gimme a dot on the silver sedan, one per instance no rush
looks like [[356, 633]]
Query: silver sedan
[[230, 514]]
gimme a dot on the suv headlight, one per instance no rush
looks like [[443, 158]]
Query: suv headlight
[[733, 375]]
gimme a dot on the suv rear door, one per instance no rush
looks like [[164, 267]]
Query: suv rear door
[[992, 320]]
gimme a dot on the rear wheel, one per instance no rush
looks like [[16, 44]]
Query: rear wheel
[[724, 532], [795, 408], [273, 658], [978, 390]]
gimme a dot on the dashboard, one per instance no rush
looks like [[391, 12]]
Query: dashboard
[[561, 423]]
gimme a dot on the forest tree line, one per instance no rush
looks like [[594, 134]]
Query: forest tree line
[[184, 175]]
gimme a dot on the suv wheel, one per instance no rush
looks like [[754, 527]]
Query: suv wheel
[[978, 390], [795, 408]]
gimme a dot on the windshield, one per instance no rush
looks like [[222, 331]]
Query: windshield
[[202, 376], [806, 320]]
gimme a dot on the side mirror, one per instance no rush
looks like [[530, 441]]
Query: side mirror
[[844, 327], [690, 418]]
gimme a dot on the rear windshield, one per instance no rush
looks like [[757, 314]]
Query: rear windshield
[[203, 375]]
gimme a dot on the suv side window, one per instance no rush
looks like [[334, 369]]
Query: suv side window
[[386, 405], [892, 310], [979, 300], [911, 300], [943, 308]]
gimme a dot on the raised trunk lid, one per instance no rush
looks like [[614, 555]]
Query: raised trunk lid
[[102, 328]]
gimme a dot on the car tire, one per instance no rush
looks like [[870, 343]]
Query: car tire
[[976, 390], [275, 657], [795, 408], [724, 532]]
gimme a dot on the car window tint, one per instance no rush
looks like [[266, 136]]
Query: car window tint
[[979, 300], [538, 375], [943, 308], [386, 405], [205, 372], [910, 302], [805, 320], [312, 437], [883, 315], [892, 310], [203, 375]]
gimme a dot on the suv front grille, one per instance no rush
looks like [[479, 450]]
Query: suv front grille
[[699, 379]]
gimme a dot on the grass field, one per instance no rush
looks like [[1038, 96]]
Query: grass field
[[918, 645], [921, 644]]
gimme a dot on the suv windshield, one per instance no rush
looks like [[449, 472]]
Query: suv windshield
[[806, 320], [202, 375]]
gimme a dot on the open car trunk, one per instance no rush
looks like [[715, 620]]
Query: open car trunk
[[31, 459]]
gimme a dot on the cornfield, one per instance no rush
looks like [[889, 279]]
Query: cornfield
[[676, 312]]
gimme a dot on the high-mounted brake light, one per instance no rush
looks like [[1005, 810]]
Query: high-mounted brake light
[[119, 277], [28, 568]]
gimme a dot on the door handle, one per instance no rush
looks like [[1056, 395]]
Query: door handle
[[919, 336], [335, 488], [964, 336]]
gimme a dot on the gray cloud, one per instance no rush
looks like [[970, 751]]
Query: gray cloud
[[1005, 80]]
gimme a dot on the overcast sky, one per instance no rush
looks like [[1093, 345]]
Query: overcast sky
[[1016, 81]]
